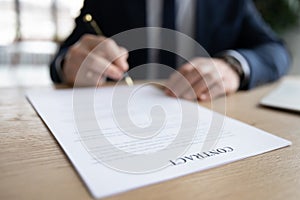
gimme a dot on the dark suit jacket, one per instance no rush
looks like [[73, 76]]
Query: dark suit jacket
[[220, 25]]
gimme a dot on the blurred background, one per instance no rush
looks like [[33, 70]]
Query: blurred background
[[31, 31]]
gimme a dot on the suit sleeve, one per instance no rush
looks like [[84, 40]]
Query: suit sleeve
[[265, 53]]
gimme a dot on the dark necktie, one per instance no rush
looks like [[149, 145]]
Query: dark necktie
[[169, 14], [168, 21]]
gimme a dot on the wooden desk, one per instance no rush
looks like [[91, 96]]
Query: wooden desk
[[33, 166]]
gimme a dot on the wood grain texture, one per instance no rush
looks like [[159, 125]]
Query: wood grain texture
[[33, 166]]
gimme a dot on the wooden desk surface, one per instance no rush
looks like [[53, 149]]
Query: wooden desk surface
[[33, 166]]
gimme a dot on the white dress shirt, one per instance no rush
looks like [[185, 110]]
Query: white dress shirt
[[185, 23]]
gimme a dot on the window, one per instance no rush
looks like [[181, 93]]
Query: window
[[7, 21], [37, 20]]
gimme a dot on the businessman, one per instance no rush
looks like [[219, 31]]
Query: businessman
[[244, 50]]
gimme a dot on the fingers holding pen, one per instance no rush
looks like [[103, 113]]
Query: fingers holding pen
[[99, 56], [108, 49]]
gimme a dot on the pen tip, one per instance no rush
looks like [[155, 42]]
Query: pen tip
[[129, 81]]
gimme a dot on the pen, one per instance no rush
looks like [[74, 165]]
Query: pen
[[89, 19]]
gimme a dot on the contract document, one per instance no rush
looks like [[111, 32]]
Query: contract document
[[121, 138]]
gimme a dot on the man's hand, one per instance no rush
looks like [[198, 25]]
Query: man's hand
[[106, 60], [208, 78]]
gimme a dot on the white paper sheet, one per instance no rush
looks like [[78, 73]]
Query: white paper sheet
[[285, 96], [229, 142]]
